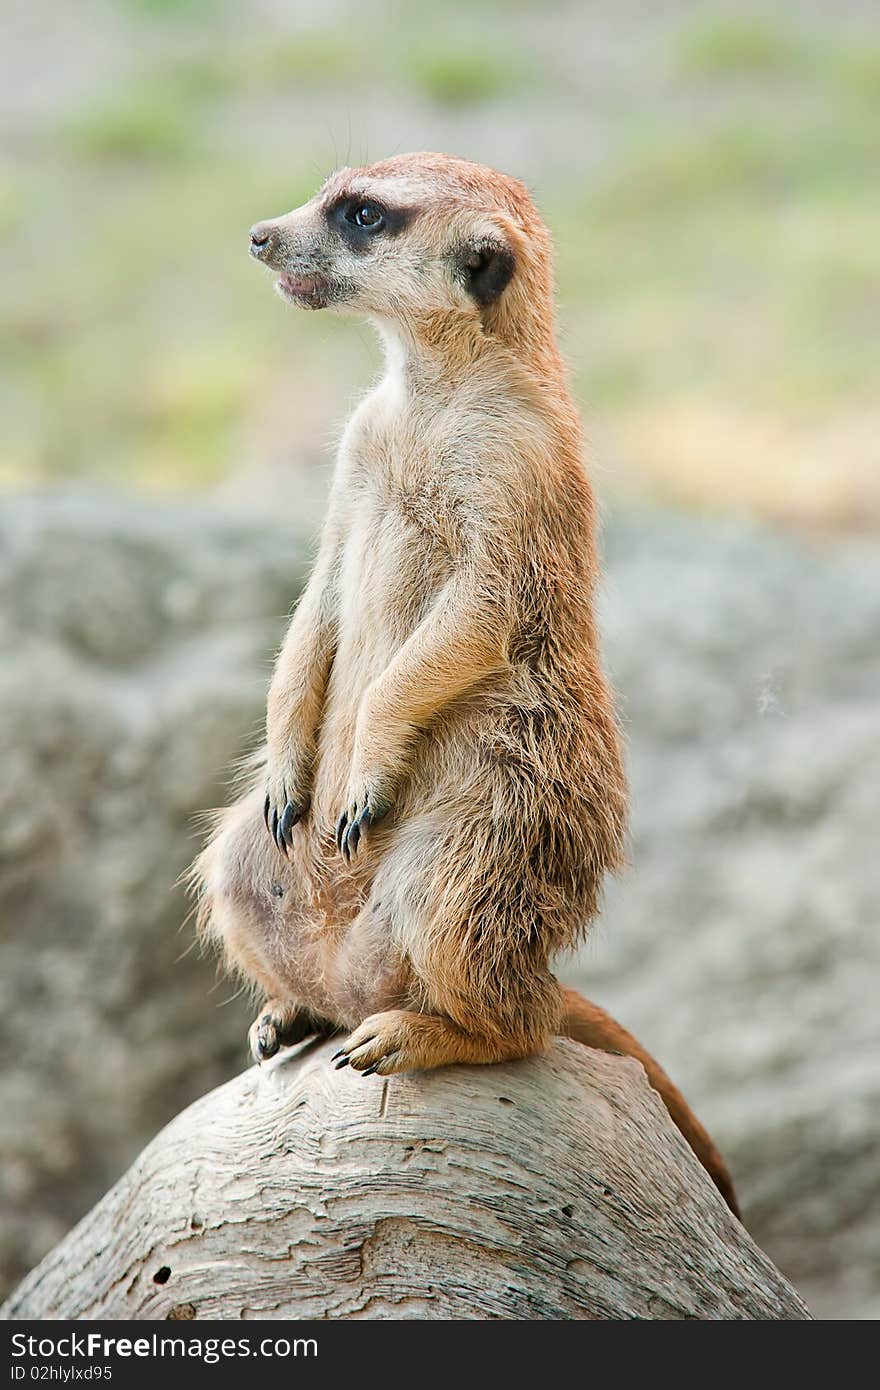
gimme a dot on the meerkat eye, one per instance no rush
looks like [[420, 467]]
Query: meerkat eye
[[365, 215]]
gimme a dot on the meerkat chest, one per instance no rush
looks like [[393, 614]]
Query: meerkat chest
[[403, 518], [404, 478]]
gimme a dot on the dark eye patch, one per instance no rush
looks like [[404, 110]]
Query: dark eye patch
[[359, 231]]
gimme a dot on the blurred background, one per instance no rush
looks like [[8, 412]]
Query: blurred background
[[710, 173]]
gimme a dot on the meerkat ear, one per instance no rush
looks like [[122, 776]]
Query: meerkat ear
[[487, 268]]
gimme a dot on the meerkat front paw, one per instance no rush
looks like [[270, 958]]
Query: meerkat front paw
[[365, 805], [287, 800]]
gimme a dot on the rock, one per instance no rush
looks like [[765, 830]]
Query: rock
[[552, 1188], [135, 649], [741, 946]]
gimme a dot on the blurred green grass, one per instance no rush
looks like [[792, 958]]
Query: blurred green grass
[[719, 261], [450, 73], [736, 44], [153, 122]]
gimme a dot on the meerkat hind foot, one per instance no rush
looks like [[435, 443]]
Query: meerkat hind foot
[[279, 1025], [403, 1040]]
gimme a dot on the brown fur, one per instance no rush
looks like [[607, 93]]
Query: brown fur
[[440, 686]]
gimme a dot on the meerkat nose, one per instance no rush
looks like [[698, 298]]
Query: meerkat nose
[[261, 239]]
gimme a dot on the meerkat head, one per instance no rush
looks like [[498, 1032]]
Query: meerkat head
[[411, 240]]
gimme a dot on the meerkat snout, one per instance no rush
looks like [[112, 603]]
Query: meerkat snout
[[261, 240], [274, 243]]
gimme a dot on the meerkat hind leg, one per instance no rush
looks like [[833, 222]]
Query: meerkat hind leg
[[282, 1024]]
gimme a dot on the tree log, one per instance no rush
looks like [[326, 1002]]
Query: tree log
[[551, 1188]]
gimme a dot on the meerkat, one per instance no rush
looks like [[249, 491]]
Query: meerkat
[[443, 790]]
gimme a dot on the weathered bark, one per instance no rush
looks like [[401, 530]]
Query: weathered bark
[[553, 1188]]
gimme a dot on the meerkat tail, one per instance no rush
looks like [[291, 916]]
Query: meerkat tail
[[586, 1023]]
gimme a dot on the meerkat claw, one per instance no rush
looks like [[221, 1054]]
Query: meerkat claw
[[362, 814], [282, 829], [349, 836], [285, 825], [280, 823], [276, 833]]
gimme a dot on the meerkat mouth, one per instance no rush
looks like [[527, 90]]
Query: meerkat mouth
[[309, 291]]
